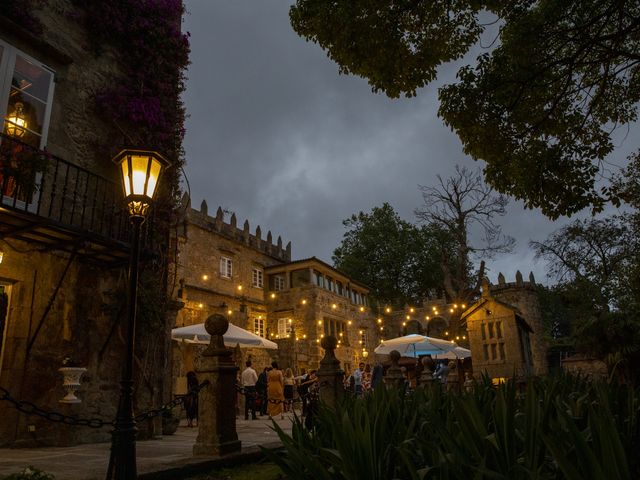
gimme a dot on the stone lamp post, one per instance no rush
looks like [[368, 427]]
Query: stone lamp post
[[216, 405]]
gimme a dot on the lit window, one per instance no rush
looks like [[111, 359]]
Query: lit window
[[257, 278], [284, 327], [226, 267], [26, 88], [258, 326], [278, 283]]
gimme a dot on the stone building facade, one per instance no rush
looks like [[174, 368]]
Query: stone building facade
[[433, 318], [64, 234], [309, 299], [505, 330], [222, 268]]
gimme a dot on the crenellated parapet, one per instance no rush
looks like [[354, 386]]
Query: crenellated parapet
[[232, 231], [519, 283]]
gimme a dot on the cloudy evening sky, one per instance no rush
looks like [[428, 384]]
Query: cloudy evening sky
[[275, 135]]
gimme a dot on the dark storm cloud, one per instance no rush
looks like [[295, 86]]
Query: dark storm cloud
[[277, 136]]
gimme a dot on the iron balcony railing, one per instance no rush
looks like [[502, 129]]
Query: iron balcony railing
[[39, 184]]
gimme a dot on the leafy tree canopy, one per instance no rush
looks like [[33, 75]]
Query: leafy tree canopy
[[398, 260], [539, 107], [596, 301]]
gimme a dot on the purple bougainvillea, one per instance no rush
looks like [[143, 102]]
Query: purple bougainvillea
[[154, 53]]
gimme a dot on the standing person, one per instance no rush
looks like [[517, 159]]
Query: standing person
[[357, 380], [366, 379], [275, 391], [261, 391], [249, 380], [289, 384], [191, 398], [443, 372], [303, 389], [312, 400], [377, 375]]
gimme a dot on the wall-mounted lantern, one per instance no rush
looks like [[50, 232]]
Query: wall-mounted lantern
[[17, 122]]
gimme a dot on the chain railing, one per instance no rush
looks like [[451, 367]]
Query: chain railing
[[29, 408]]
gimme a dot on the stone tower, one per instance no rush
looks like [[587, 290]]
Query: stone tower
[[524, 296]]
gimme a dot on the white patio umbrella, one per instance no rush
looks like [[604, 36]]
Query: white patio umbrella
[[233, 336], [415, 345], [456, 353]]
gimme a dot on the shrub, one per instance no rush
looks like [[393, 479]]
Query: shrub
[[30, 473], [561, 427]]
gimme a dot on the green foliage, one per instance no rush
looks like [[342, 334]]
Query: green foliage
[[594, 306], [539, 105], [398, 260], [564, 427], [593, 255], [397, 46], [263, 471], [30, 473]]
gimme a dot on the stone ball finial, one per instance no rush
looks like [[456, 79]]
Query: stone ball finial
[[216, 324], [329, 342]]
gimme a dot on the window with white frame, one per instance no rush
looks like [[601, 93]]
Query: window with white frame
[[226, 267], [26, 93], [284, 327], [278, 283], [258, 325], [257, 278]]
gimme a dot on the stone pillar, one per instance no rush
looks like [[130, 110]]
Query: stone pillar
[[394, 376], [426, 379], [453, 380], [216, 404], [330, 375], [469, 383]]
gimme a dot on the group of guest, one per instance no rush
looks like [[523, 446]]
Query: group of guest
[[364, 379], [272, 391]]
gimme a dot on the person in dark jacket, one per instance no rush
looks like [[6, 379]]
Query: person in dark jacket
[[191, 399], [261, 391], [376, 375]]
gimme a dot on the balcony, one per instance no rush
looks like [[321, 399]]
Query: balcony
[[50, 202]]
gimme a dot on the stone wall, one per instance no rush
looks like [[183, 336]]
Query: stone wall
[[197, 281], [85, 318], [78, 325]]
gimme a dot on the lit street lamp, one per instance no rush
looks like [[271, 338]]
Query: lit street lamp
[[140, 173]]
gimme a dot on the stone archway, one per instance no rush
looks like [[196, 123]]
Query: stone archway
[[437, 327]]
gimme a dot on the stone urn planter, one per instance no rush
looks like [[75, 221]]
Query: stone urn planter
[[71, 383]]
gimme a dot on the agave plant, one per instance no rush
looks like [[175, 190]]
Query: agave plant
[[561, 427]]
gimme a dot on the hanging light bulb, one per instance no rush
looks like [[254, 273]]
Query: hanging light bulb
[[16, 122]]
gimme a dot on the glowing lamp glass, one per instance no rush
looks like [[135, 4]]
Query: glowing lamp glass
[[16, 125], [140, 173]]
